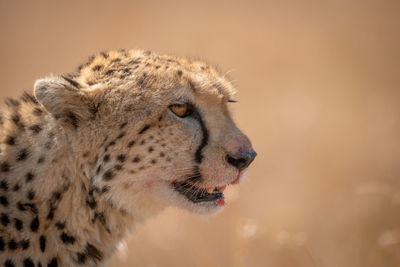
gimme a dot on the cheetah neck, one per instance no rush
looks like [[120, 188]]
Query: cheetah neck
[[43, 184]]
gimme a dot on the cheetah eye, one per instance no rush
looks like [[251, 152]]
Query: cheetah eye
[[181, 110]]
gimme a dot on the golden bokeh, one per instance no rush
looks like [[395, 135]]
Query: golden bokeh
[[319, 96]]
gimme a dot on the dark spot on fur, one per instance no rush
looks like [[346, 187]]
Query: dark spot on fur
[[106, 157], [130, 144], [31, 195], [162, 154], [5, 220], [136, 159], [42, 242], [18, 224], [28, 263], [12, 245], [10, 140], [112, 143], [97, 67], [29, 177], [109, 72], [93, 252], [108, 175], [118, 167], [123, 125], [12, 102], [153, 161], [56, 196], [179, 72], [50, 214], [16, 118], [53, 263], [120, 135], [115, 60], [40, 160], [16, 187], [2, 244], [143, 142], [98, 169], [35, 128], [5, 167], [35, 224], [91, 203], [102, 219], [60, 225], [67, 239], [105, 189], [73, 119], [135, 61], [25, 244], [9, 263], [48, 145], [26, 97], [4, 185], [151, 149], [81, 257], [121, 158], [4, 201], [37, 112], [22, 155], [31, 206], [104, 54]]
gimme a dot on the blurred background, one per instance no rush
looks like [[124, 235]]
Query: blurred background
[[319, 96]]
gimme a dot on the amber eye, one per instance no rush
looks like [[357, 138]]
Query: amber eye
[[180, 110]]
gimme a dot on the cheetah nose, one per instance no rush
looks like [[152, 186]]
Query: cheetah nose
[[241, 160]]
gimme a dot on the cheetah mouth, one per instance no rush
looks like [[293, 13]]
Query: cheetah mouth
[[200, 195]]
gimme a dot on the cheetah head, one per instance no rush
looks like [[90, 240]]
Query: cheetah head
[[150, 131]]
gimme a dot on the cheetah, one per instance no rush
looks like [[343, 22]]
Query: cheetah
[[92, 153]]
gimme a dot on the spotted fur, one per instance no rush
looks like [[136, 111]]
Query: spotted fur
[[94, 152]]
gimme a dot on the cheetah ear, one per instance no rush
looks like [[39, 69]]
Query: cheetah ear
[[61, 97]]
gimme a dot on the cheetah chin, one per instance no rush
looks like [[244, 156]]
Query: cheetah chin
[[93, 153]]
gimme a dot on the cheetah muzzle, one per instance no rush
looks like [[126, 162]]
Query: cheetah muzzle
[[92, 153]]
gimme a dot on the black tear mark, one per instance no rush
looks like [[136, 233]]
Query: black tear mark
[[204, 140]]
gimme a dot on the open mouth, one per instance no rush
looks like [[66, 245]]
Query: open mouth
[[198, 194]]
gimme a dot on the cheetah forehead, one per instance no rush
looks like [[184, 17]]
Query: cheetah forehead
[[139, 70]]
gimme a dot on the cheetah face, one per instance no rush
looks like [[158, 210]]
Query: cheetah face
[[214, 154], [145, 149]]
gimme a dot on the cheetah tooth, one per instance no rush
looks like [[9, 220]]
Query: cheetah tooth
[[210, 189]]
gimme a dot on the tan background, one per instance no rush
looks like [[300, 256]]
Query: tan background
[[319, 95]]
